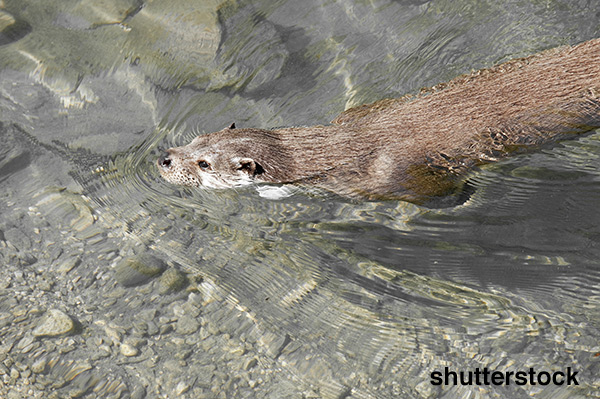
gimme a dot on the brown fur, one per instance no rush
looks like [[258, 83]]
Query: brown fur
[[416, 148]]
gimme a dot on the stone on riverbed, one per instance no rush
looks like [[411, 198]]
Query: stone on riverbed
[[137, 270], [54, 323], [172, 280]]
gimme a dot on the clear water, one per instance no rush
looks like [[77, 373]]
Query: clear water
[[371, 297]]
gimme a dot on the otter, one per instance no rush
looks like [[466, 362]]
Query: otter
[[412, 148]]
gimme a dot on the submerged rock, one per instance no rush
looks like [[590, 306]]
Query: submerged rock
[[139, 269], [128, 350], [187, 325], [171, 280], [54, 323]]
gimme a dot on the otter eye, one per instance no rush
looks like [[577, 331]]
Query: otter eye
[[203, 164]]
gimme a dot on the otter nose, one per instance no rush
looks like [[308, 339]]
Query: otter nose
[[164, 160]]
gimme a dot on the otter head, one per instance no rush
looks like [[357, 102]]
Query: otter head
[[222, 159]]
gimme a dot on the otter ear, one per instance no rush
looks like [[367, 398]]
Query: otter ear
[[249, 166], [232, 126]]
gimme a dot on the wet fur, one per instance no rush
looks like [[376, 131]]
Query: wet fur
[[415, 148]]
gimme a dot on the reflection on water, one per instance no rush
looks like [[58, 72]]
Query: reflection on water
[[358, 299]]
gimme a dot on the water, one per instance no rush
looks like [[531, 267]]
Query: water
[[352, 299]]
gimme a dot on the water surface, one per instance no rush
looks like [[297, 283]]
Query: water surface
[[347, 298]]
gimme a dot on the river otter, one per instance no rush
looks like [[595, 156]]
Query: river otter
[[411, 148]]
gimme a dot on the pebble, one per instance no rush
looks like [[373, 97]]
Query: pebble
[[250, 363], [26, 259], [182, 388], [165, 329], [129, 350], [5, 283], [147, 314], [14, 373], [426, 390], [68, 265], [187, 325], [138, 270], [54, 323], [25, 342], [140, 328], [152, 328], [113, 333], [39, 366]]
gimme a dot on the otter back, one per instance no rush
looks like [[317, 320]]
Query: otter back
[[411, 148]]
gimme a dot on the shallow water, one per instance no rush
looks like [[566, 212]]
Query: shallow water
[[351, 299]]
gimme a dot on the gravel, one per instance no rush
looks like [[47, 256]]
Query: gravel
[[84, 315]]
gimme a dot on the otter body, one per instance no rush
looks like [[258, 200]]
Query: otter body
[[410, 148]]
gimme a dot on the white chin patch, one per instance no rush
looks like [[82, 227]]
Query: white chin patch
[[210, 180], [275, 192]]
